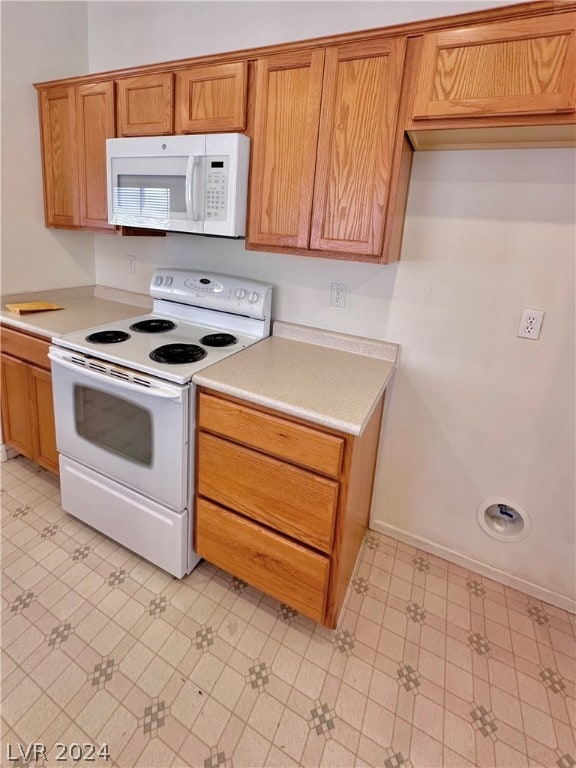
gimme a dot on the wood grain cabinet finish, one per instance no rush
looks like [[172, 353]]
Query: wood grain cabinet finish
[[75, 123], [360, 103], [286, 122], [324, 129], [521, 67], [290, 531], [292, 573], [95, 123], [211, 98], [27, 410], [145, 104], [59, 151]]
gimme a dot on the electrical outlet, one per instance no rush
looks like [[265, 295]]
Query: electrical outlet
[[530, 323], [338, 295], [131, 263]]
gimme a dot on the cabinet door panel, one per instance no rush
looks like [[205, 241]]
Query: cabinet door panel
[[359, 114], [95, 124], [17, 428], [507, 68], [282, 568], [45, 451], [212, 98], [287, 112], [58, 113], [146, 104], [286, 498]]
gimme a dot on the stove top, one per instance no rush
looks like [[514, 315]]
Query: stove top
[[183, 334]]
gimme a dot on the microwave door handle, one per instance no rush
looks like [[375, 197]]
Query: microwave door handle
[[155, 390], [191, 171]]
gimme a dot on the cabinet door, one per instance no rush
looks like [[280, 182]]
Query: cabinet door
[[507, 68], [45, 452], [146, 104], [59, 153], [95, 124], [17, 427], [360, 102], [286, 120], [211, 99]]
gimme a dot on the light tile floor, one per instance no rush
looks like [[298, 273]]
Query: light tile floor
[[431, 665]]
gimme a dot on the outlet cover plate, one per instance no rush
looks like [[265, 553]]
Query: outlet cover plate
[[530, 324]]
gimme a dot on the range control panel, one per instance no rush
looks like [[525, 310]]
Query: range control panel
[[225, 293]]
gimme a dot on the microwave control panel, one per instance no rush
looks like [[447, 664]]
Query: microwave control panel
[[217, 183]]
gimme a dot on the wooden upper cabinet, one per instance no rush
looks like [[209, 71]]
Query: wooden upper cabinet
[[286, 122], [360, 102], [211, 98], [95, 124], [325, 125], [59, 152], [506, 68], [145, 104], [75, 123]]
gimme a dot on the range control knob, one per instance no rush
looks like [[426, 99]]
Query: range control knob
[[253, 296], [168, 280], [158, 280], [240, 293]]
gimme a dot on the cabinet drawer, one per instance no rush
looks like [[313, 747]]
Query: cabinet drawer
[[264, 559], [279, 437], [286, 498], [25, 347]]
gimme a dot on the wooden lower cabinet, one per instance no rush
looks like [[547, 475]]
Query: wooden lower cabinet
[[27, 408], [271, 562], [281, 503]]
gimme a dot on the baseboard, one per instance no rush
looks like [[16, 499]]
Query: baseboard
[[546, 595]]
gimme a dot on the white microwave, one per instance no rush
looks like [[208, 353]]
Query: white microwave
[[196, 184]]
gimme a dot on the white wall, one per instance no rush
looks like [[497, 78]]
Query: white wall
[[40, 41]]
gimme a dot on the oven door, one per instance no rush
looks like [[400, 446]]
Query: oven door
[[135, 433]]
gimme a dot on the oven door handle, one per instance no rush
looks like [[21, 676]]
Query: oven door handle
[[155, 389]]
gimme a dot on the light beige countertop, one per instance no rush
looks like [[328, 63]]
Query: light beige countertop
[[84, 307], [326, 378]]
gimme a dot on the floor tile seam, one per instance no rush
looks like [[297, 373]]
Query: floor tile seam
[[208, 697], [59, 707], [541, 662], [19, 667]]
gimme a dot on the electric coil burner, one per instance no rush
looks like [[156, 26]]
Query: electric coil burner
[[178, 354], [125, 408], [218, 340], [108, 337], [154, 325]]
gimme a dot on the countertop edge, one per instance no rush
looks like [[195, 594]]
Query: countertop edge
[[313, 416]]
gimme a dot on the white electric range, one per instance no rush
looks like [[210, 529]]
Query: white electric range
[[125, 408]]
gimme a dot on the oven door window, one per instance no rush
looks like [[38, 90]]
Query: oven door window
[[115, 424]]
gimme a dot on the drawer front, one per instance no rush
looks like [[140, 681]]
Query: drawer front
[[286, 498], [281, 568], [279, 437], [25, 347]]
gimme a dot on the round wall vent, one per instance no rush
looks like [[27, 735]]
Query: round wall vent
[[503, 520]]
